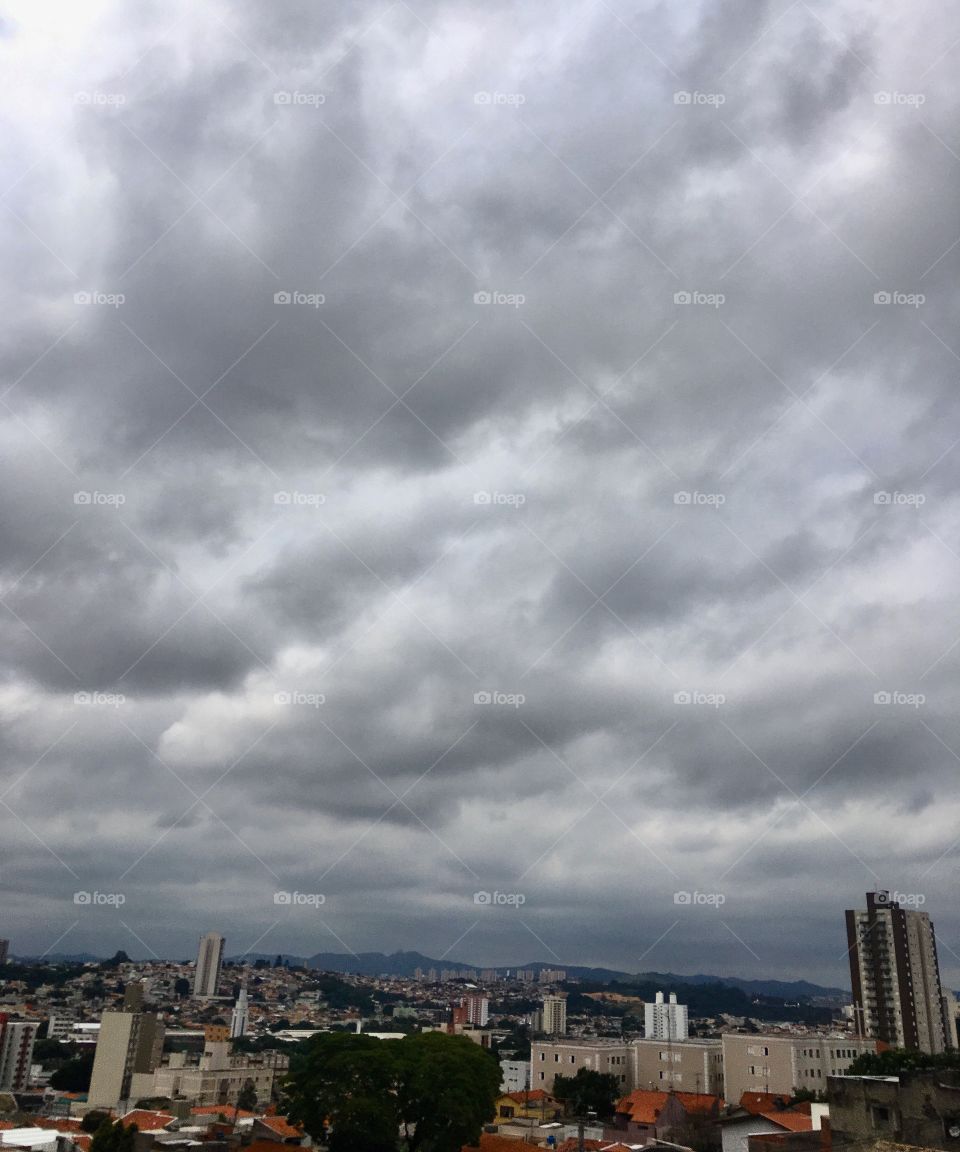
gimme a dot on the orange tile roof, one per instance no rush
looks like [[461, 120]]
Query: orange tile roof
[[146, 1120], [491, 1143], [527, 1096], [644, 1106], [83, 1141], [281, 1126], [222, 1110], [756, 1103], [792, 1121]]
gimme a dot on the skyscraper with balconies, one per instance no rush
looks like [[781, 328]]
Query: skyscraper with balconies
[[206, 979], [895, 975]]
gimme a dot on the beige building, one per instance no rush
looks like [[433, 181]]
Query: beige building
[[128, 1043], [552, 1017], [548, 1058], [682, 1065], [206, 978], [218, 1078], [786, 1063]]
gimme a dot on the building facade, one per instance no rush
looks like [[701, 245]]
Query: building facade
[[128, 1043], [553, 1016], [684, 1066], [895, 975], [550, 1058], [665, 1020], [16, 1052], [239, 1017], [782, 1064], [206, 979], [478, 1010]]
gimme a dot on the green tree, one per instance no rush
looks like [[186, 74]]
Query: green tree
[[74, 1076], [93, 1119], [588, 1091], [896, 1060], [181, 987], [111, 1137], [447, 1090], [247, 1097], [340, 1087]]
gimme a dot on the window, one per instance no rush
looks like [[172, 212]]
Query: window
[[556, 1057], [573, 1059]]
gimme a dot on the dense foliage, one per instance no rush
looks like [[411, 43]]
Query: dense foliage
[[588, 1091]]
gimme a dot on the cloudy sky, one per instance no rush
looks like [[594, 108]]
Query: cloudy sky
[[458, 448]]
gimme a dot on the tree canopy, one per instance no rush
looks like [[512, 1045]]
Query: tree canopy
[[588, 1091], [358, 1094], [896, 1060], [114, 1137]]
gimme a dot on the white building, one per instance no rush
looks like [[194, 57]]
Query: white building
[[16, 1053], [665, 1021], [239, 1016], [478, 1010], [552, 1017], [515, 1075]]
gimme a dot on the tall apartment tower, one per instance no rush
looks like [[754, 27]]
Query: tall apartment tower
[[897, 996], [553, 1015], [478, 1010], [665, 1021], [128, 1042], [16, 1052], [206, 979], [239, 1016]]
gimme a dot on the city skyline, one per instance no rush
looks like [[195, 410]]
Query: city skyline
[[479, 478]]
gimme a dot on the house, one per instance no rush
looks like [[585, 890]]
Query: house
[[650, 1114], [918, 1107], [529, 1104], [765, 1113]]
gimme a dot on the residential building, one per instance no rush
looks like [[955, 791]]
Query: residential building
[[133, 997], [128, 1043], [534, 1104], [16, 1052], [686, 1065], [515, 1075], [548, 1058], [478, 1010], [552, 975], [782, 1064], [4, 951], [771, 1116], [217, 1078], [949, 1003], [239, 1017], [897, 995], [666, 1115], [552, 1017], [919, 1109], [665, 1021], [206, 979]]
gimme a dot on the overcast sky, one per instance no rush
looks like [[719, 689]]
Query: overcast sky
[[456, 448]]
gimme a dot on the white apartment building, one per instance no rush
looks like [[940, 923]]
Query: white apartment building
[[206, 978], [665, 1020], [548, 1058]]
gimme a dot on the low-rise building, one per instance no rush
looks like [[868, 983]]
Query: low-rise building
[[684, 1066], [549, 1058], [918, 1108], [784, 1064]]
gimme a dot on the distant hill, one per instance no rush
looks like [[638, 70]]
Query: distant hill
[[406, 963]]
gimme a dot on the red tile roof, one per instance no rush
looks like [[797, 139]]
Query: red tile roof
[[645, 1105], [491, 1143], [226, 1110], [792, 1121], [756, 1103], [146, 1120], [281, 1126], [528, 1096]]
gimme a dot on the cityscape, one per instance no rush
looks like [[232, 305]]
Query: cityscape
[[479, 576]]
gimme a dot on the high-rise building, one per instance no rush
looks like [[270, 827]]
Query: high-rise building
[[552, 975], [665, 1021], [4, 951], [133, 997], [553, 1016], [949, 1002], [129, 1042], [206, 979], [16, 1052], [478, 1010], [239, 1016], [897, 996]]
